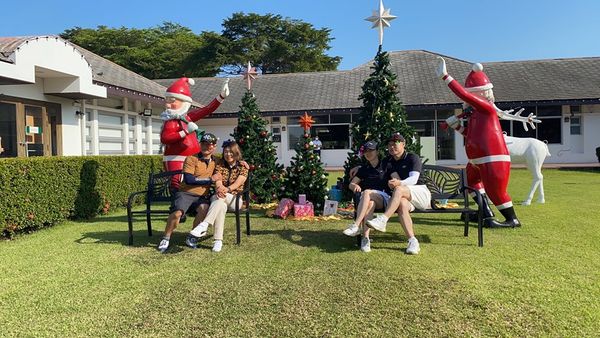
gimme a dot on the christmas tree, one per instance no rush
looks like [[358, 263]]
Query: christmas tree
[[306, 175], [382, 114], [257, 147]]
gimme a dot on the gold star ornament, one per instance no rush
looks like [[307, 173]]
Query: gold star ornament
[[381, 18]]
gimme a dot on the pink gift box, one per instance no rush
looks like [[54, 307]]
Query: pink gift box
[[284, 208], [304, 210]]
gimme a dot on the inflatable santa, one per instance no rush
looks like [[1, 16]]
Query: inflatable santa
[[178, 132], [489, 160]]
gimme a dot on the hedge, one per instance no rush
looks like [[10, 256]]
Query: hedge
[[42, 191]]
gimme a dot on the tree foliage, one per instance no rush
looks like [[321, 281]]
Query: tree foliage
[[306, 175], [275, 45], [272, 43], [258, 150], [165, 51], [382, 114]]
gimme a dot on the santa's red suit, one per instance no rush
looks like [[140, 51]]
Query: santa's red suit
[[176, 134], [489, 160]]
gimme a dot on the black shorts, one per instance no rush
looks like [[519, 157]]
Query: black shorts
[[184, 201]]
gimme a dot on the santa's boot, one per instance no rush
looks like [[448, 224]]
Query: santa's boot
[[511, 218]]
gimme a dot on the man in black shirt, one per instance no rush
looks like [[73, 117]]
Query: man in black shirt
[[405, 169]]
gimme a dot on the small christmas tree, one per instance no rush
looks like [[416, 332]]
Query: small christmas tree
[[257, 147], [382, 114], [306, 175]]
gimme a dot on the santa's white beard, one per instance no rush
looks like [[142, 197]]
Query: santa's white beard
[[487, 94], [170, 114]]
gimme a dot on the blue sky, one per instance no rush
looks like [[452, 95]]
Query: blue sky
[[466, 29]]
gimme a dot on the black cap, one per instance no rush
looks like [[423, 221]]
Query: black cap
[[209, 138], [370, 145], [396, 137]]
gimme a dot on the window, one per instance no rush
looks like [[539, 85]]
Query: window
[[426, 123], [550, 129], [575, 125], [110, 134], [340, 118], [332, 136]]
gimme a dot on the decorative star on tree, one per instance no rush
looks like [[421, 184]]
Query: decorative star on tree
[[249, 75], [381, 19], [306, 122]]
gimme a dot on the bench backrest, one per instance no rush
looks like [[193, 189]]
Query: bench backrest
[[445, 183], [159, 186]]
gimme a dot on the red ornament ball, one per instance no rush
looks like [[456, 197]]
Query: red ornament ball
[[263, 133], [252, 167], [306, 146]]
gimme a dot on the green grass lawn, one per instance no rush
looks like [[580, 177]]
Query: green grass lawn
[[307, 279]]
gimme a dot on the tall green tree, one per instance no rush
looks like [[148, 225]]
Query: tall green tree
[[382, 114], [273, 44], [258, 150], [165, 51], [306, 175]]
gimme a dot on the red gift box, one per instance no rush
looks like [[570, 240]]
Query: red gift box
[[304, 210], [284, 208]]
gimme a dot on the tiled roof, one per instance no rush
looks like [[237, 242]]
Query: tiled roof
[[537, 80], [104, 71]]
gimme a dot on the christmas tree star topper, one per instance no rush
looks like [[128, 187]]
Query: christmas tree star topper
[[249, 75], [306, 122], [381, 19]]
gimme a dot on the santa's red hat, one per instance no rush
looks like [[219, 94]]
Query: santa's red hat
[[180, 89], [477, 80]]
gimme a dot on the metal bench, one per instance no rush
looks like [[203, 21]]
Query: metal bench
[[447, 183], [159, 190]]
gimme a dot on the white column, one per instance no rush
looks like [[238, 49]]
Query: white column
[[95, 143], [83, 126], [125, 126]]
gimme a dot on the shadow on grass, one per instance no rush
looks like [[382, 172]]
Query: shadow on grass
[[334, 241], [140, 239]]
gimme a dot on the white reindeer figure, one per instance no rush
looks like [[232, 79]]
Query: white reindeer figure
[[533, 152]]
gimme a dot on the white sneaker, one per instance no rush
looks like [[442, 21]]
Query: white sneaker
[[163, 245], [200, 230], [352, 230], [413, 246], [365, 244], [378, 223], [217, 246]]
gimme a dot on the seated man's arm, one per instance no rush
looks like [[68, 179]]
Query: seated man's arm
[[193, 180], [354, 185], [412, 179]]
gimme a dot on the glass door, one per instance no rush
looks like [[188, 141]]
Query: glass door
[[8, 130], [34, 130]]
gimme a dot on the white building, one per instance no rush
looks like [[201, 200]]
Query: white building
[[46, 84]]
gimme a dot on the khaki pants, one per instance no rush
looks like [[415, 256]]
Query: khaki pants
[[217, 210]]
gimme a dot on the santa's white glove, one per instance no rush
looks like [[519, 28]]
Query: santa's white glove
[[225, 90], [441, 70], [507, 115], [453, 122], [192, 127]]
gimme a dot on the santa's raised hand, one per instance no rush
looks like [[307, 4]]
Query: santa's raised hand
[[225, 90], [441, 70]]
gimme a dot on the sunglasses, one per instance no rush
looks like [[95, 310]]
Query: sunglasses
[[228, 143]]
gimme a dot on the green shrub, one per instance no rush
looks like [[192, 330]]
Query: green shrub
[[42, 191]]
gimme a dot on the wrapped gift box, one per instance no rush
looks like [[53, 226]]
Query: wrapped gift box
[[284, 208], [304, 210], [302, 199]]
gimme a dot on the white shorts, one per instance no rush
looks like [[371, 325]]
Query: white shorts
[[420, 197]]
